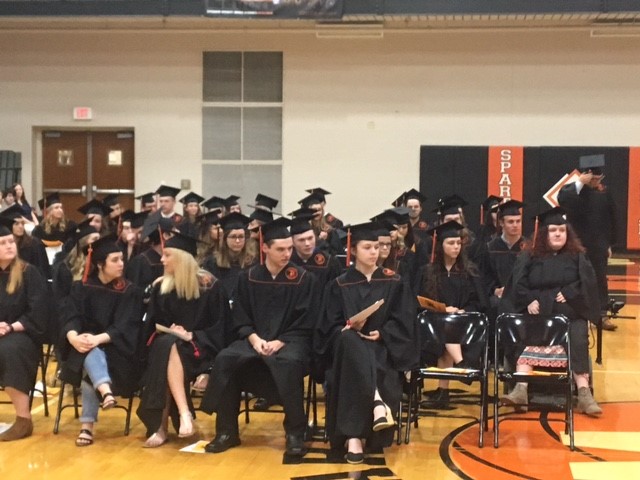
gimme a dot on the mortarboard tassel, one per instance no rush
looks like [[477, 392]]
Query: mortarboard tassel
[[535, 232], [481, 214], [161, 239], [87, 265], [348, 261], [433, 246], [119, 226], [261, 241]]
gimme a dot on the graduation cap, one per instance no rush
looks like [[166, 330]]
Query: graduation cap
[[99, 250], [388, 220], [262, 215], [311, 199], [413, 194], [319, 192], [367, 231], [593, 163], [191, 197], [213, 203], [152, 224], [167, 191], [301, 220], [275, 230], [111, 200], [95, 207], [14, 212], [209, 218], [234, 221], [6, 226], [137, 220], [489, 204], [184, 242], [400, 215], [553, 216], [49, 200], [146, 197], [450, 205], [451, 229], [265, 201], [512, 207], [231, 200], [81, 230]]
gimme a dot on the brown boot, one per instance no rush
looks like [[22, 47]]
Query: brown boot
[[608, 325], [22, 428], [587, 404]]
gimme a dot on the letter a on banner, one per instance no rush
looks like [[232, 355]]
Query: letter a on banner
[[505, 178]]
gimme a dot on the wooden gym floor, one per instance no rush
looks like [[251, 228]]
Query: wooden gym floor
[[441, 448]]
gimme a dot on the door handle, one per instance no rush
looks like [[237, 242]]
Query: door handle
[[113, 191], [67, 191]]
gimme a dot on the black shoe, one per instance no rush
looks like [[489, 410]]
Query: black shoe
[[222, 443], [354, 458], [295, 445], [431, 394], [261, 405], [441, 400]]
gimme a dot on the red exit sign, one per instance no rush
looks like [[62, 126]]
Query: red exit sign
[[82, 113]]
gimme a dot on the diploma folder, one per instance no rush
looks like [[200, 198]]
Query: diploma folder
[[163, 329], [359, 319], [432, 305]]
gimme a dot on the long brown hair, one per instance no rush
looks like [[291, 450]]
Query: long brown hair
[[541, 247], [225, 257], [431, 274], [16, 270]]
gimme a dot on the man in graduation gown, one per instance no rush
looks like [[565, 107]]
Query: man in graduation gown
[[167, 201], [274, 315], [592, 212], [502, 251]]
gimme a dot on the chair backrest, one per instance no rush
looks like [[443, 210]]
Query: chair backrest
[[532, 330], [463, 328]]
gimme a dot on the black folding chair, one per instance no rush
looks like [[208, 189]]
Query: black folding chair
[[460, 328], [518, 330]]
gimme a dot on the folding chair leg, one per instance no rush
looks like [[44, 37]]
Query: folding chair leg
[[56, 424], [127, 422], [246, 407]]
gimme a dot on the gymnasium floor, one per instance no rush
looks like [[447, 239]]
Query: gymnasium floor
[[441, 448]]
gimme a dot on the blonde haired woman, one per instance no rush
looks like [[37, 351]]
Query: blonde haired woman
[[54, 224], [190, 302], [22, 325]]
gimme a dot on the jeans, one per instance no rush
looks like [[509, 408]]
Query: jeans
[[95, 366]]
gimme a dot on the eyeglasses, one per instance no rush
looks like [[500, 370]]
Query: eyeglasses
[[236, 238]]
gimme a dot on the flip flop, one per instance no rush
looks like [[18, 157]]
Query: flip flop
[[108, 401]]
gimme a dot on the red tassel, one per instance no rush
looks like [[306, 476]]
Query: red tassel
[[161, 239], [87, 265], [433, 246], [196, 352], [260, 243], [151, 338], [535, 232], [348, 248]]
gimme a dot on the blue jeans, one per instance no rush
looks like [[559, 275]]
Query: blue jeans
[[95, 366]]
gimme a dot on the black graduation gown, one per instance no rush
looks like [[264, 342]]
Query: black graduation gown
[[358, 367], [283, 308], [541, 279], [325, 267], [55, 236], [227, 276], [32, 251], [143, 269], [115, 309], [454, 289], [499, 265], [207, 317], [20, 351], [124, 248]]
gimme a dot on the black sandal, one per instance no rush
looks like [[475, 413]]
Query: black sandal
[[385, 421], [86, 440], [108, 401]]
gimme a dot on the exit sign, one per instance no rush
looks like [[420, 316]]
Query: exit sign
[[82, 113]]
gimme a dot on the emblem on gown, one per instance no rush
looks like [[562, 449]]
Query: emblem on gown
[[291, 273]]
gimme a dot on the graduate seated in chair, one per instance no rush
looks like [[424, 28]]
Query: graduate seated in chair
[[366, 355], [191, 303], [451, 278], [23, 311], [274, 314], [101, 325], [554, 276]]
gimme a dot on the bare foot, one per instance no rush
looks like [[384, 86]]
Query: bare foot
[[186, 425], [157, 439]]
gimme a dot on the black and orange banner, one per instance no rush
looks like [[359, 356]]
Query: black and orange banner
[[505, 172], [633, 205]]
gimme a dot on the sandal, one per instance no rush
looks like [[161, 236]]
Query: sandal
[[85, 438], [200, 385], [108, 401], [386, 421]]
